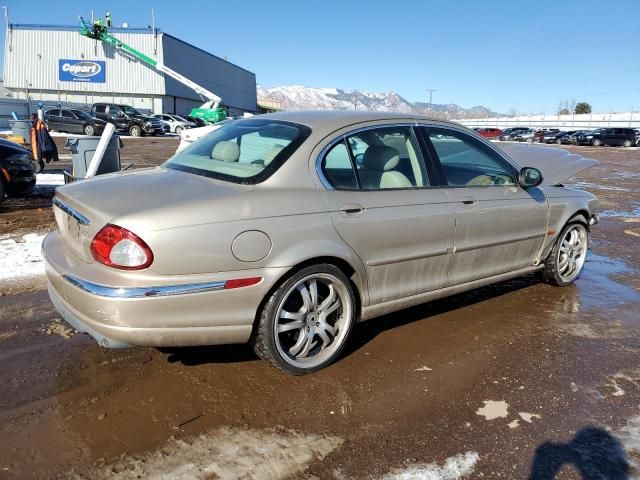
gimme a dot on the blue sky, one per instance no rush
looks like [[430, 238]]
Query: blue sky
[[501, 54]]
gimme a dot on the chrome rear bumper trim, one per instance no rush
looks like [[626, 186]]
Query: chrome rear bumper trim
[[143, 292]]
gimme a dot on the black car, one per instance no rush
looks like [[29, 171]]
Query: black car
[[127, 118], [73, 121], [625, 137], [509, 133], [17, 171], [197, 120], [559, 137]]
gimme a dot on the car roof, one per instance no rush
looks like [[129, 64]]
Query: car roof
[[327, 121]]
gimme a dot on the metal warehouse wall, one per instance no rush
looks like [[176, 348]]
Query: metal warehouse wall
[[32, 54], [234, 84]]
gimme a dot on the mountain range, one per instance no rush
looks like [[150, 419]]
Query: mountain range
[[298, 97]]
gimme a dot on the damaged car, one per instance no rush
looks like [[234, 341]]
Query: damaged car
[[287, 229]]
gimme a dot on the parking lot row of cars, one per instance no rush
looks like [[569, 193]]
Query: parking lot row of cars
[[124, 117], [616, 136]]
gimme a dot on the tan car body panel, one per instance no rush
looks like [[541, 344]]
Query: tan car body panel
[[409, 246]]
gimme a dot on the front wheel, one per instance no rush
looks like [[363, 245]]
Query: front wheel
[[305, 323], [135, 130], [178, 130], [596, 142], [565, 262], [626, 143]]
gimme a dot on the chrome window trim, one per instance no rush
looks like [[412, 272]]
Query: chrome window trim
[[325, 182], [71, 211], [143, 292]]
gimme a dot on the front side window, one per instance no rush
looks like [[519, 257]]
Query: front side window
[[384, 158], [246, 151], [130, 110], [466, 161]]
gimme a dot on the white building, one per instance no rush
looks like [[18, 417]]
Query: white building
[[55, 64]]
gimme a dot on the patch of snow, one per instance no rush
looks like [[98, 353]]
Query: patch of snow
[[493, 409], [513, 424], [454, 468], [528, 417], [49, 179], [423, 369], [226, 453], [21, 258], [629, 436]]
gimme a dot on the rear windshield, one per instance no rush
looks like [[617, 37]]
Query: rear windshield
[[244, 151]]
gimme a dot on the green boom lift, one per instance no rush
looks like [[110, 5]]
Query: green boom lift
[[210, 111]]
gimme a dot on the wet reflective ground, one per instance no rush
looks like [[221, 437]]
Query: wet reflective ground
[[518, 380]]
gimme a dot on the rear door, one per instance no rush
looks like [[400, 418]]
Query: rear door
[[499, 226], [383, 205], [53, 119]]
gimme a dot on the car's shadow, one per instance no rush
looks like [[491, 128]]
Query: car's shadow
[[363, 333]]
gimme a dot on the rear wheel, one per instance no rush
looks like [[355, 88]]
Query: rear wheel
[[135, 130], [596, 142], [178, 130], [305, 323], [559, 141], [565, 262], [529, 140], [89, 130]]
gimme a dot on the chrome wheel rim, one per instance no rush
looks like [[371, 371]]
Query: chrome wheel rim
[[312, 320], [572, 253]]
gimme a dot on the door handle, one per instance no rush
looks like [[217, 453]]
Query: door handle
[[352, 210], [468, 201]]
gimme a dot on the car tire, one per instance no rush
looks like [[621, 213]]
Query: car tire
[[317, 304], [596, 142], [178, 130], [135, 130], [567, 257], [529, 141], [559, 141], [626, 143], [3, 192], [89, 130]]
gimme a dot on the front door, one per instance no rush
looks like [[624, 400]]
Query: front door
[[500, 226], [384, 208]]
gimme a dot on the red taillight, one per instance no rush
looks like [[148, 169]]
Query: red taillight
[[117, 247], [241, 282]]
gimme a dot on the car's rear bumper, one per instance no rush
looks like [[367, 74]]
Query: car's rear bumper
[[152, 312]]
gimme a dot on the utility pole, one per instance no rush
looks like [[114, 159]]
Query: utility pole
[[430, 90]]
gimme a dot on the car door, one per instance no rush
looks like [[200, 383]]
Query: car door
[[116, 116], [69, 121], [500, 226], [384, 207], [53, 119]]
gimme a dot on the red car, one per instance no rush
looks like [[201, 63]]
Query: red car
[[489, 132]]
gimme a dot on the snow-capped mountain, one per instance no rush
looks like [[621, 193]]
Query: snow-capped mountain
[[298, 97]]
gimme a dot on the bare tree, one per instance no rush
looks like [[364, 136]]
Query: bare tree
[[512, 112]]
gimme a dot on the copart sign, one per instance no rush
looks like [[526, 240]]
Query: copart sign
[[90, 71]]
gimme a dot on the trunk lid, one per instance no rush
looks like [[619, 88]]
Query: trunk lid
[[167, 196]]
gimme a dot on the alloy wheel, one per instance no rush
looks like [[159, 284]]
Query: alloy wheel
[[312, 320], [572, 252]]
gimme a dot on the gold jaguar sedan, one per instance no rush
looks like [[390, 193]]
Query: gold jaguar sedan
[[285, 230]]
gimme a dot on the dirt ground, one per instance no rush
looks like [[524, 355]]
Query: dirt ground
[[518, 380]]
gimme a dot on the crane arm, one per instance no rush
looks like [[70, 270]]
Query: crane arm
[[98, 31]]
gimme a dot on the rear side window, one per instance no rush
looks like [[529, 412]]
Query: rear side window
[[338, 169], [468, 162], [245, 151], [100, 108], [67, 114]]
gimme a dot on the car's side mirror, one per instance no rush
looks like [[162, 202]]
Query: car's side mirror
[[529, 177]]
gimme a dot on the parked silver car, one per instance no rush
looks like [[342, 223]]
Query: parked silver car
[[285, 230], [176, 123]]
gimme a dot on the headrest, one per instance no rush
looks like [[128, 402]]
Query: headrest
[[380, 158], [225, 151], [271, 154]]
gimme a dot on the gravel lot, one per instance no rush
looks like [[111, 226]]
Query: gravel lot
[[515, 380]]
